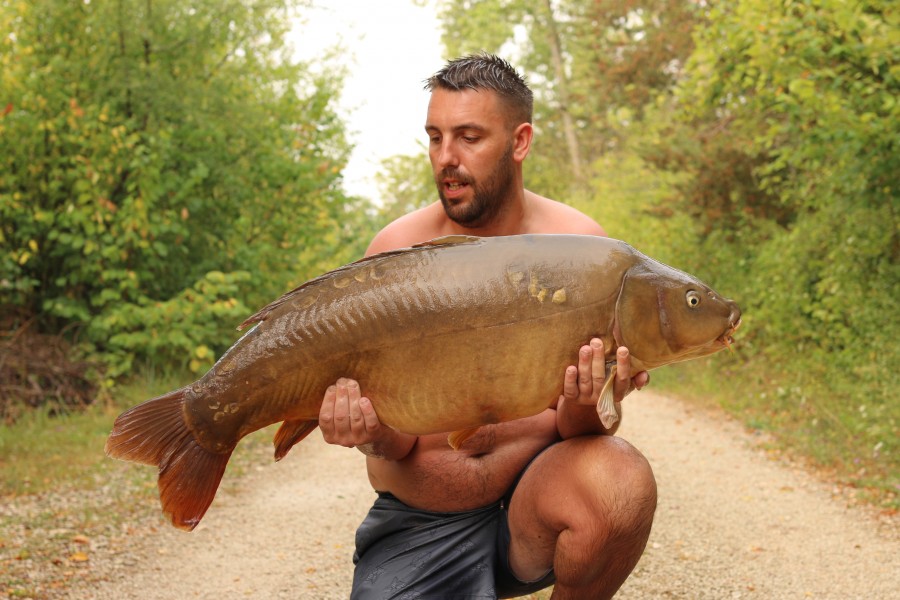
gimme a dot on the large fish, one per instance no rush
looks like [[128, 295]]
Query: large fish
[[442, 337]]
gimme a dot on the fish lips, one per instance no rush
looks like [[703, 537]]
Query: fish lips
[[727, 338]]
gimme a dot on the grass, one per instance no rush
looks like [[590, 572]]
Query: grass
[[40, 452], [43, 453], [65, 499]]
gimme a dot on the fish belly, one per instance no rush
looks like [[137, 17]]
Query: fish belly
[[465, 379]]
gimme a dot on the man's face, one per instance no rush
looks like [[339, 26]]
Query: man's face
[[471, 152]]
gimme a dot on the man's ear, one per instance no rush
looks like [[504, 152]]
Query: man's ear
[[522, 137]]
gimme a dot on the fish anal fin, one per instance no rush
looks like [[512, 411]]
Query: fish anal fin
[[290, 433], [606, 404], [155, 433], [458, 438]]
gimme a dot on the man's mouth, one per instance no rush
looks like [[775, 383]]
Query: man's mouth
[[454, 181]]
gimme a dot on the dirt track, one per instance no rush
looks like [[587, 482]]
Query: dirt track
[[732, 523]]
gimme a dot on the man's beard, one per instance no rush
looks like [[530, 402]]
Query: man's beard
[[488, 200]]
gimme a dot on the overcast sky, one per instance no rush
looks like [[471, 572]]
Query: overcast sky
[[392, 47]]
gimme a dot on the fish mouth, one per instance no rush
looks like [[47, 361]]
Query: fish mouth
[[727, 339]]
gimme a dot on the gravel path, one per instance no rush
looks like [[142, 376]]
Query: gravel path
[[732, 522]]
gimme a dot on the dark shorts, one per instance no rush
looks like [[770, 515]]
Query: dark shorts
[[403, 553]]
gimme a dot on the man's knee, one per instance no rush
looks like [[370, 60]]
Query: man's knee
[[606, 536], [619, 485]]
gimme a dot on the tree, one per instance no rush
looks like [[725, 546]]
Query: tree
[[806, 98], [786, 130], [406, 184], [592, 66], [163, 167]]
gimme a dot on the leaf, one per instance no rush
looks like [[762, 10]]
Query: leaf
[[802, 88]]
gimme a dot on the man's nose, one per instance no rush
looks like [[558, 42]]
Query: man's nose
[[445, 156]]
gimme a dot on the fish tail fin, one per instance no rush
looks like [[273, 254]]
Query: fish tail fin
[[155, 433], [290, 433]]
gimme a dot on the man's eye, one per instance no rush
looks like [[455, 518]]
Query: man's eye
[[470, 139]]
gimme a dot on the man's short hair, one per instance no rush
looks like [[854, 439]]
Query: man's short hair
[[485, 71]]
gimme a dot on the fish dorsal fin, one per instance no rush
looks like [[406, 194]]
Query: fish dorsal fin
[[447, 240], [450, 240], [458, 438]]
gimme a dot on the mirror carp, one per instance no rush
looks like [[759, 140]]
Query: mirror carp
[[444, 336]]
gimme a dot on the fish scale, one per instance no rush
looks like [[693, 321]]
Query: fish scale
[[443, 337]]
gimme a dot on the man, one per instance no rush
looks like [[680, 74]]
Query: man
[[552, 498]]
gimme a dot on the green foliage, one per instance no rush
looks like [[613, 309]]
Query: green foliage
[[175, 331], [592, 66], [786, 128], [163, 166], [808, 93], [406, 183], [754, 144]]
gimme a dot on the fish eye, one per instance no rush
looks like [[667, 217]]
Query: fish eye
[[693, 299]]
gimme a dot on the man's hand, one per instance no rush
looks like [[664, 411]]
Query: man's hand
[[582, 383], [347, 418], [577, 412]]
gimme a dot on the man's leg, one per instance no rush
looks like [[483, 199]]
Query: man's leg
[[585, 507]]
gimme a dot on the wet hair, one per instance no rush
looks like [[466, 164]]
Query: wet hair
[[485, 71]]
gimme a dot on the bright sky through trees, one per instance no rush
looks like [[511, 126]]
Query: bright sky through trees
[[390, 47]]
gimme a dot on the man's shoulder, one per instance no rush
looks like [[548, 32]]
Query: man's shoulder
[[557, 217], [412, 228]]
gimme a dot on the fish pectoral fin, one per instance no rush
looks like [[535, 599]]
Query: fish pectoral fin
[[290, 433], [458, 438], [606, 404]]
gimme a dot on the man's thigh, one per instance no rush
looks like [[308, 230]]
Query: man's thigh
[[559, 490]]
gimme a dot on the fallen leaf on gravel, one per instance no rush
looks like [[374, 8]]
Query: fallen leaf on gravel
[[81, 539], [79, 557]]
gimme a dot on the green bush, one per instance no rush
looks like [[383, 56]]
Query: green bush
[[163, 167]]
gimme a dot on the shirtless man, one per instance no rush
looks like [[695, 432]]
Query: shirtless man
[[552, 498]]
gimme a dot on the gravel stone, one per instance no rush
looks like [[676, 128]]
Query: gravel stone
[[734, 521]]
